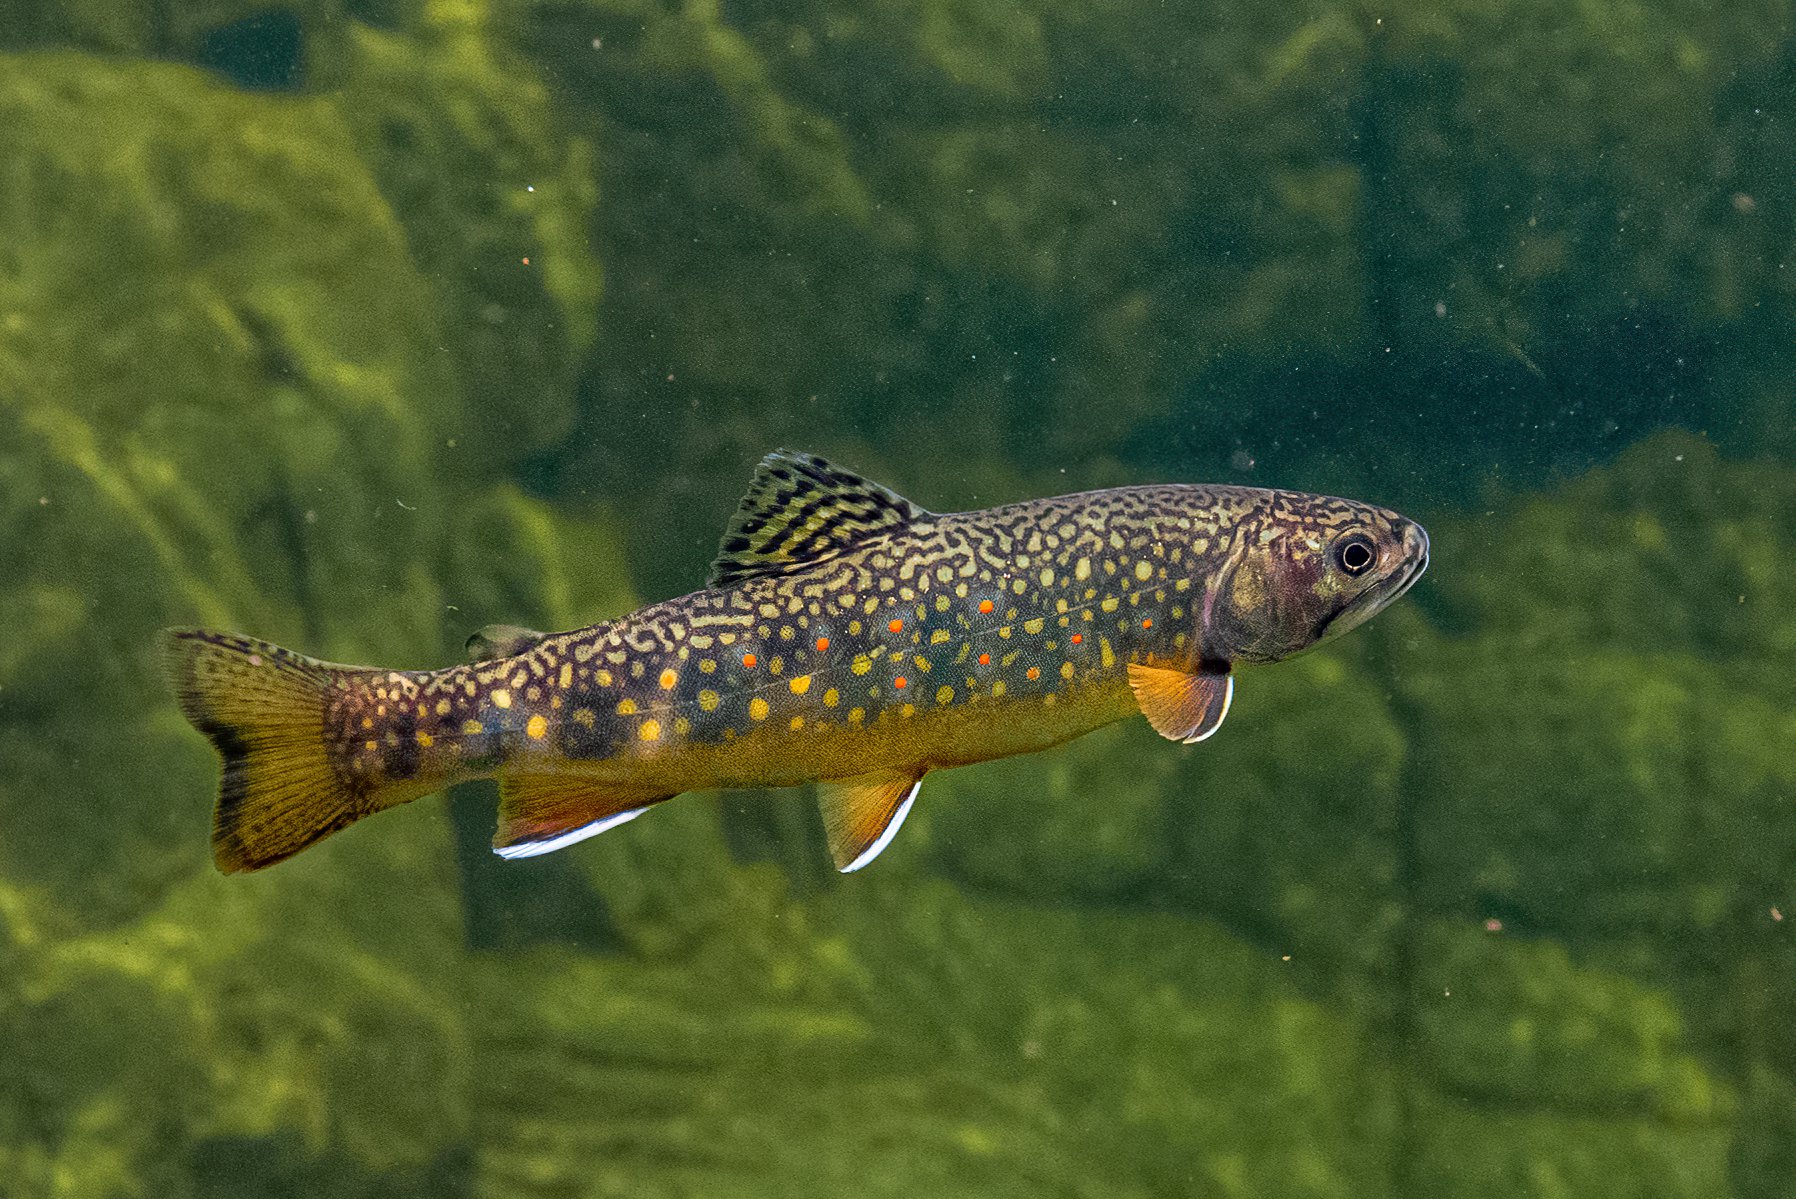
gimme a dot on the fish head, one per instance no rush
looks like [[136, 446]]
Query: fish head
[[1304, 569]]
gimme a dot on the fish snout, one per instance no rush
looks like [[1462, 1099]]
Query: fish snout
[[1415, 555]]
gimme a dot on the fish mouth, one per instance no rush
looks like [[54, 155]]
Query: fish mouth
[[1415, 552]]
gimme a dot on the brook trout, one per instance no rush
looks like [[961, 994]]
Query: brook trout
[[847, 638]]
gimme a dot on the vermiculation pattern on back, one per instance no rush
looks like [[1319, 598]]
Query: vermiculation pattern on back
[[1029, 601]]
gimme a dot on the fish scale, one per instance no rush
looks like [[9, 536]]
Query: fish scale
[[848, 638]]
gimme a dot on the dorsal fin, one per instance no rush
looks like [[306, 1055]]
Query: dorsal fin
[[801, 510]]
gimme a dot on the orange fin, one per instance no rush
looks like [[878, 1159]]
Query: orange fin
[[1180, 705], [540, 813], [862, 814]]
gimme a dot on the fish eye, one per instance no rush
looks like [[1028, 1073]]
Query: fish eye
[[1354, 554]]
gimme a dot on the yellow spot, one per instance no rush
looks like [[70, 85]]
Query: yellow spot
[[668, 679], [555, 702], [682, 726], [854, 628], [501, 698], [944, 695], [1004, 632], [941, 603], [426, 740], [797, 723], [906, 710], [1106, 653], [707, 700], [566, 678], [1066, 670], [757, 708], [778, 664], [862, 664], [1047, 576], [1018, 586], [538, 727], [1082, 569], [998, 689], [707, 665], [1033, 625], [831, 698], [626, 707], [856, 715], [1109, 604], [373, 745], [1144, 569], [939, 636], [603, 678], [442, 707], [650, 730], [367, 722], [584, 717], [472, 728], [800, 685]]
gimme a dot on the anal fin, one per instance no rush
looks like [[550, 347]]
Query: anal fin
[[862, 814], [540, 813], [1182, 705]]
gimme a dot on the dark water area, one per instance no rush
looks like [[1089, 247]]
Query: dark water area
[[358, 326]]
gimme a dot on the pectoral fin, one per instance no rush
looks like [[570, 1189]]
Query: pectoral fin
[[539, 814], [862, 815], [1181, 705]]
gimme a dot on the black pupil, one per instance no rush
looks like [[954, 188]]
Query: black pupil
[[1356, 556]]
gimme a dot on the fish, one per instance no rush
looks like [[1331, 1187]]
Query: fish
[[846, 638]]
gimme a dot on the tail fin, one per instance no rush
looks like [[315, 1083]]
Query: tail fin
[[264, 709]]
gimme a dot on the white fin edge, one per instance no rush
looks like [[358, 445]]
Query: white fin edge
[[1228, 697], [891, 830], [532, 849]]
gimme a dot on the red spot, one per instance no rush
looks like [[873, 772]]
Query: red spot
[[748, 660], [1147, 622], [897, 626], [822, 644], [1034, 672], [1078, 638], [901, 682], [526, 262], [1493, 925], [985, 659], [985, 605]]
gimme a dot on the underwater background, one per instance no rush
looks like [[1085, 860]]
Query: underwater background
[[359, 324]]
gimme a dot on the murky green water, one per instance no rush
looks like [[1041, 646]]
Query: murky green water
[[361, 325]]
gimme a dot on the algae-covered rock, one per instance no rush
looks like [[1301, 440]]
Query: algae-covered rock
[[496, 200], [212, 351], [1090, 821], [917, 1042], [241, 1012]]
